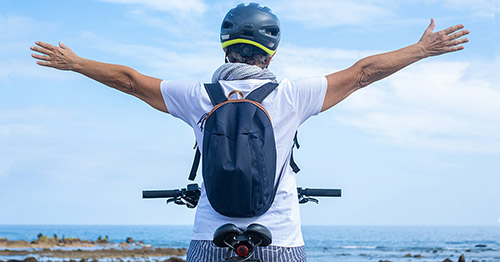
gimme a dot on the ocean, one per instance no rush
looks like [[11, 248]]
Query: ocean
[[323, 243]]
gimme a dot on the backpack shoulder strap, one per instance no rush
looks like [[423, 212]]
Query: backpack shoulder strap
[[259, 94], [294, 165], [196, 163], [216, 93]]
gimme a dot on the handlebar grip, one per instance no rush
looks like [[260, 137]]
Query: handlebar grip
[[161, 193], [316, 192]]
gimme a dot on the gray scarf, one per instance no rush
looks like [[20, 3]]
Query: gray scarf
[[239, 71]]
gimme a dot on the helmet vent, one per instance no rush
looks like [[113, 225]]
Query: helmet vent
[[269, 31], [227, 25]]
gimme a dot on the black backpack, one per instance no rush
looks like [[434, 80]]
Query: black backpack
[[239, 153]]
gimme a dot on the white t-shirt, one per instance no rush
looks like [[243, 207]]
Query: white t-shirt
[[289, 105]]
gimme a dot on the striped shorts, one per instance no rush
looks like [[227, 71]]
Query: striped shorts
[[207, 251]]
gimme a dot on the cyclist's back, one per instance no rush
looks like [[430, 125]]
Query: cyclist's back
[[289, 105]]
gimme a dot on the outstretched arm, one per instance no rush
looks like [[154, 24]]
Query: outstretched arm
[[119, 77], [373, 68]]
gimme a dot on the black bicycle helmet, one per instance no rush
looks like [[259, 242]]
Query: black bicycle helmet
[[251, 24]]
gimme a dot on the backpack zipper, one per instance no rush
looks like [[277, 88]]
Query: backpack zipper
[[202, 121]]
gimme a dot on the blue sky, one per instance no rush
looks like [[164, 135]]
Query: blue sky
[[421, 147]]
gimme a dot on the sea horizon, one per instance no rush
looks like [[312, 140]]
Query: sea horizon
[[347, 243]]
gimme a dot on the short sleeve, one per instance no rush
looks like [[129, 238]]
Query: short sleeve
[[308, 96], [184, 99]]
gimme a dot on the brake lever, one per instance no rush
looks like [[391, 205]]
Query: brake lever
[[190, 202], [181, 200], [304, 200]]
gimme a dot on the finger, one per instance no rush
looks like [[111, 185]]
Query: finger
[[41, 50], [43, 63], [459, 34], [63, 46], [452, 29], [45, 45], [41, 57], [455, 48], [459, 41], [431, 26]]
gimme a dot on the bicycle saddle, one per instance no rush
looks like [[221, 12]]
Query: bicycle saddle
[[259, 235], [242, 242], [227, 234]]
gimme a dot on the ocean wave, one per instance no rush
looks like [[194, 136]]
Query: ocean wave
[[356, 247]]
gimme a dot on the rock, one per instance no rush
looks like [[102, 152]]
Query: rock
[[475, 261], [407, 255], [418, 256], [480, 245], [447, 260], [384, 261], [468, 250], [461, 258], [30, 259], [174, 259], [130, 240]]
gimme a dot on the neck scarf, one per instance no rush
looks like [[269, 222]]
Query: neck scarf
[[239, 71]]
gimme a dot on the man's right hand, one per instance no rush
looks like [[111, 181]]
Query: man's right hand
[[120, 77], [60, 57]]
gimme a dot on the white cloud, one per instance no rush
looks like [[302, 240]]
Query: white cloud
[[19, 129], [171, 6], [201, 58], [27, 67], [479, 8], [295, 62], [328, 13], [437, 105]]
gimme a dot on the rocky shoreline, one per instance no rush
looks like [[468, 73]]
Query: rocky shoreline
[[75, 249]]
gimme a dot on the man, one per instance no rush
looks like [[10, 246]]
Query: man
[[250, 35]]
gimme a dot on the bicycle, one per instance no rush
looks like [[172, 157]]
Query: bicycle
[[240, 241]]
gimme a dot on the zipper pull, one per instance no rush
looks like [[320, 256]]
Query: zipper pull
[[202, 120]]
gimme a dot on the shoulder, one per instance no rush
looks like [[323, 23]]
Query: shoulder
[[184, 97], [312, 86], [177, 86], [310, 82]]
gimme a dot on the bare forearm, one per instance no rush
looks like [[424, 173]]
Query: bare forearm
[[124, 79], [373, 68], [115, 76], [119, 77], [376, 67]]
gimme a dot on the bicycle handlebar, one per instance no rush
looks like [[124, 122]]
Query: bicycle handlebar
[[193, 190], [317, 192], [161, 193]]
